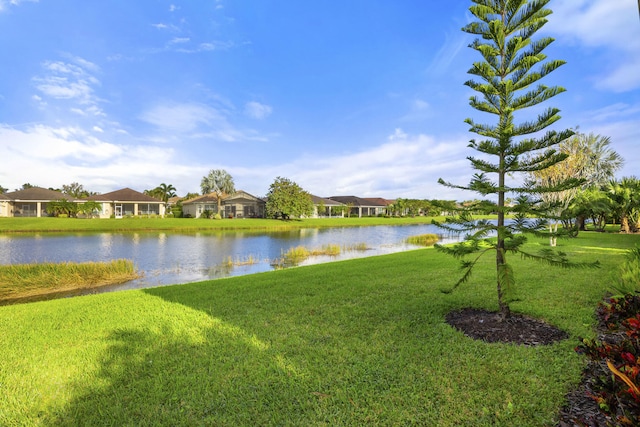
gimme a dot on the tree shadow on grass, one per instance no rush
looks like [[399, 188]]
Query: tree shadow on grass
[[219, 376]]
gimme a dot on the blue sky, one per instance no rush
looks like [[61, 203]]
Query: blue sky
[[357, 97]]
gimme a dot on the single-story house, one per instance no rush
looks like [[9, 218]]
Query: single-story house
[[362, 207], [128, 202], [237, 205], [243, 205], [30, 202], [381, 201], [323, 207], [194, 208]]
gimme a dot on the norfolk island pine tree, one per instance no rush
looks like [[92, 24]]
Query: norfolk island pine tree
[[512, 64]]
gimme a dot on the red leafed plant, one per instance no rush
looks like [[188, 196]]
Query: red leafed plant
[[616, 367]]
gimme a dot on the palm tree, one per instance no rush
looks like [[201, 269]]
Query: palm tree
[[89, 207], [162, 192], [219, 182], [601, 161], [590, 158], [592, 203], [625, 195], [166, 191]]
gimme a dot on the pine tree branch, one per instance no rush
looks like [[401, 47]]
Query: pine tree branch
[[557, 259]]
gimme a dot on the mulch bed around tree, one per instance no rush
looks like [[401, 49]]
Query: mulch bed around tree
[[488, 326]]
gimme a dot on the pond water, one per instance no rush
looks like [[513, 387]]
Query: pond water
[[171, 257]]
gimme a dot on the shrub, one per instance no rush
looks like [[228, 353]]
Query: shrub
[[217, 216], [628, 277], [615, 310], [616, 359], [615, 363]]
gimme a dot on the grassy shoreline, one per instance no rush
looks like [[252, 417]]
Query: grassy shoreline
[[20, 282], [356, 342]]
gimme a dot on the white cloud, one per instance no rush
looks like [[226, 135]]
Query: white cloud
[[214, 45], [419, 110], [403, 166], [4, 4], [596, 22], [398, 134], [442, 60], [623, 78], [183, 45], [612, 25], [257, 110], [168, 27], [71, 82], [62, 88], [48, 143], [176, 121], [609, 113], [619, 123], [50, 157], [179, 40], [182, 117]]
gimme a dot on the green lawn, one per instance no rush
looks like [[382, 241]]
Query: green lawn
[[358, 342], [47, 224]]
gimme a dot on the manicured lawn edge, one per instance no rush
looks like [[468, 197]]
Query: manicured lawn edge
[[46, 225]]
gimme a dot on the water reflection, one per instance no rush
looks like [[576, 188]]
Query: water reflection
[[168, 258]]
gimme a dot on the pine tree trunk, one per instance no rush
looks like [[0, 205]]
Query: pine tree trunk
[[505, 312], [553, 240]]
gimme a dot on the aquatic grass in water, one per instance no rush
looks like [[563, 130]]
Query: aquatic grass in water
[[298, 254], [27, 280], [423, 239], [331, 250], [356, 247], [237, 262]]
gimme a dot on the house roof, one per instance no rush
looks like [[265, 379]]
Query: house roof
[[321, 200], [4, 197], [125, 195], [242, 195], [36, 194], [173, 200], [379, 200], [357, 201], [206, 198], [212, 198]]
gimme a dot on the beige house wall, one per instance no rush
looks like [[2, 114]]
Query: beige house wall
[[244, 207], [130, 208], [5, 208], [195, 210]]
